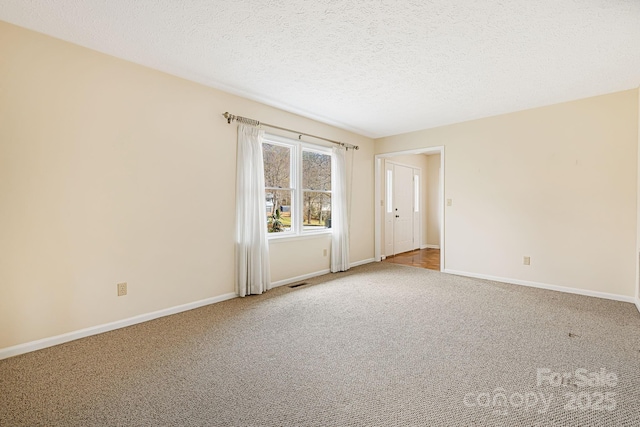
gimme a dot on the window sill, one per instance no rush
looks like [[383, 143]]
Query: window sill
[[303, 236]]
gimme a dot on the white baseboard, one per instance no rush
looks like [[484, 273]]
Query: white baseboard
[[363, 262], [638, 304], [430, 247], [291, 280], [566, 289], [94, 330]]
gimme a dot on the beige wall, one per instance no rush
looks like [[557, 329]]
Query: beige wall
[[433, 203], [114, 172], [558, 184]]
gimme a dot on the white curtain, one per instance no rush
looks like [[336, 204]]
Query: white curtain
[[252, 247], [339, 214]]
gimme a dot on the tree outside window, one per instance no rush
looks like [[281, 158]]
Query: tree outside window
[[278, 188], [316, 185]]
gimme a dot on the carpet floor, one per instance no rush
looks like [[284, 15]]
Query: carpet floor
[[380, 345]]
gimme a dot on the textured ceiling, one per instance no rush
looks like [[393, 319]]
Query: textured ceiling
[[375, 67]]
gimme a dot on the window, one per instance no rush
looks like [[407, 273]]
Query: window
[[297, 179]]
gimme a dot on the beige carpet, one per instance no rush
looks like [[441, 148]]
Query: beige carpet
[[381, 345]]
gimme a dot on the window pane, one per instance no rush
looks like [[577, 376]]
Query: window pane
[[316, 210], [389, 196], [277, 166], [416, 193], [278, 210], [316, 171]]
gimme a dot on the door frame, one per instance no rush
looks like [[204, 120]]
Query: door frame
[[379, 197]]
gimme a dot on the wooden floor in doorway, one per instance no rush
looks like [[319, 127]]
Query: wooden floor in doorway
[[423, 258]]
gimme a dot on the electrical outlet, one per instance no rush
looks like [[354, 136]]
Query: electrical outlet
[[526, 260], [122, 289], [324, 252]]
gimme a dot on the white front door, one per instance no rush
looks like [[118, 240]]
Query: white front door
[[402, 209]]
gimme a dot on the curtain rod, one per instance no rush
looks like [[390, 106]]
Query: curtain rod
[[230, 118]]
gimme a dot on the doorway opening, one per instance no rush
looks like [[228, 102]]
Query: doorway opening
[[409, 214]]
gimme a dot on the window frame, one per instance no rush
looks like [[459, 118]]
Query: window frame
[[296, 182]]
